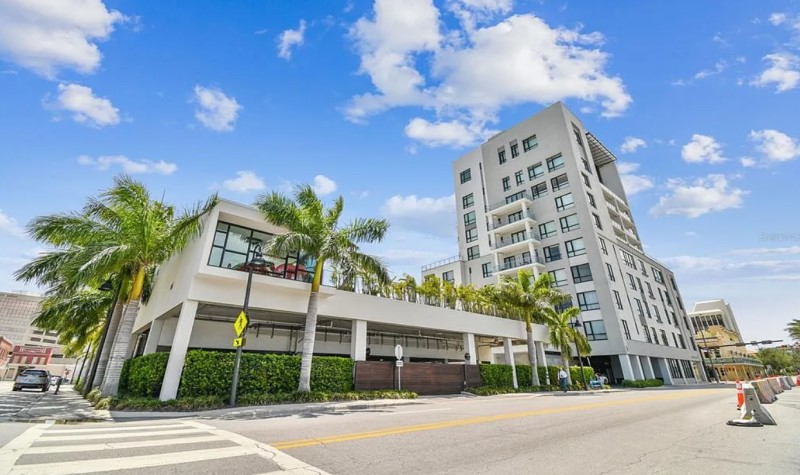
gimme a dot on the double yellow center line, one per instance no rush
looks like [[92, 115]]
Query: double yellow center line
[[293, 444]]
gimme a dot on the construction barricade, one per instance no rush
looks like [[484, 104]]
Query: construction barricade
[[775, 384], [753, 413], [785, 383], [764, 391]]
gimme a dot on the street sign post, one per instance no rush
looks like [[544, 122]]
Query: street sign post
[[398, 353]]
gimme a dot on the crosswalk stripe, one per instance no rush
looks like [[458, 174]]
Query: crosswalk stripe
[[122, 445], [116, 435], [123, 463], [114, 429], [11, 452]]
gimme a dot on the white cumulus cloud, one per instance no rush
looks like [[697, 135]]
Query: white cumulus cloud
[[748, 162], [127, 165], [215, 110], [47, 36], [777, 18], [784, 72], [446, 133], [289, 39], [422, 214], [701, 196], [9, 226], [702, 148], [632, 183], [471, 78], [244, 182], [323, 185], [776, 146], [632, 144], [85, 107]]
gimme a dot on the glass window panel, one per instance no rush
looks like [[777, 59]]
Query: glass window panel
[[216, 256], [219, 238], [238, 239], [233, 260]]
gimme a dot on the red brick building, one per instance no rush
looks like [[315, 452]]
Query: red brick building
[[31, 355]]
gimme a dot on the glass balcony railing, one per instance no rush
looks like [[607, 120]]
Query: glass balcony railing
[[513, 218], [518, 238], [524, 195], [514, 263]]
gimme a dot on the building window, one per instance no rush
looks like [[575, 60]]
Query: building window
[[472, 234], [675, 340], [473, 253], [618, 300], [559, 182], [647, 335], [449, 276], [563, 305], [626, 330], [535, 171], [591, 200], [603, 246], [487, 269], [564, 202], [683, 343], [658, 275], [559, 277], [466, 176], [658, 315], [569, 223], [644, 269], [530, 143], [506, 183], [610, 269], [639, 309], [469, 218], [233, 248], [537, 191], [514, 217], [552, 253], [664, 338], [547, 229], [468, 201], [581, 273], [514, 150], [501, 155], [575, 247], [586, 180], [596, 220], [627, 258], [586, 167], [632, 281], [650, 290], [595, 330], [555, 162], [588, 300], [515, 197], [519, 178]]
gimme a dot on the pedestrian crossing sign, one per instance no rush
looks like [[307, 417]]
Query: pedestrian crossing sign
[[241, 323], [237, 342]]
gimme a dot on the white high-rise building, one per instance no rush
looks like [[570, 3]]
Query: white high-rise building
[[546, 195], [713, 312]]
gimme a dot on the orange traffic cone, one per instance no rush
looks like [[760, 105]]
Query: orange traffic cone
[[739, 395]]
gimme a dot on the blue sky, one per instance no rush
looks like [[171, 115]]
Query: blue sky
[[375, 100]]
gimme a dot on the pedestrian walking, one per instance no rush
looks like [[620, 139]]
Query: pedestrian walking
[[562, 379]]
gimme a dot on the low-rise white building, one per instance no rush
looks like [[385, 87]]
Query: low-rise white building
[[198, 294]]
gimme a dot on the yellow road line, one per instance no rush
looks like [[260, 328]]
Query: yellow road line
[[293, 444]]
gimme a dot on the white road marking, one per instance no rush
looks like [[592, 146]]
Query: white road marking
[[400, 413], [114, 429], [12, 451], [283, 460], [123, 463], [123, 445], [115, 435]]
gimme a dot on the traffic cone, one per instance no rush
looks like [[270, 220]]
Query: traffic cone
[[739, 395]]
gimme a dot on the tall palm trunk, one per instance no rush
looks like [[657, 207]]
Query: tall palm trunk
[[122, 339], [100, 373], [532, 354], [565, 362], [310, 333]]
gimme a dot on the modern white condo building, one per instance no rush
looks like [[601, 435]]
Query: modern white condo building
[[546, 195]]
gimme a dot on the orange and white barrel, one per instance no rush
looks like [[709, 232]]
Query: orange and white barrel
[[739, 395]]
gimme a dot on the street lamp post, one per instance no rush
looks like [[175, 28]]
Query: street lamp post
[[576, 324], [257, 260]]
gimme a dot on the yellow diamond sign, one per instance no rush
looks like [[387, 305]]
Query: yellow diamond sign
[[241, 323]]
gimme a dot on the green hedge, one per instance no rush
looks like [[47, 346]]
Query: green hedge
[[499, 375], [209, 373], [647, 383]]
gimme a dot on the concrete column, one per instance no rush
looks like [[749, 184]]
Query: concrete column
[[358, 340], [627, 369], [647, 366], [664, 367], [636, 364], [154, 336], [177, 353], [509, 350], [469, 347], [541, 359]]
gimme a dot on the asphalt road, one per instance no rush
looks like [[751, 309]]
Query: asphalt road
[[632, 432]]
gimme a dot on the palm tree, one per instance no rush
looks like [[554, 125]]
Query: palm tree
[[77, 317], [314, 230], [530, 298], [794, 329], [563, 335], [431, 290], [128, 234]]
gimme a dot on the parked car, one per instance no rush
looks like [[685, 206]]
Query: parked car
[[32, 379]]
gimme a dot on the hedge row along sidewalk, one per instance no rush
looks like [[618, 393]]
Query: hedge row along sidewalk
[[499, 376]]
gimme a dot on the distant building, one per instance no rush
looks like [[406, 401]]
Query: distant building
[[713, 312], [5, 353], [17, 312]]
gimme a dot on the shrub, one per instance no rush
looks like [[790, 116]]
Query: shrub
[[647, 383], [144, 374], [93, 395], [499, 375], [102, 403], [493, 391]]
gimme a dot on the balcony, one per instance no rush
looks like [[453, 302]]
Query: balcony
[[440, 263], [512, 223], [514, 243], [515, 264], [508, 204]]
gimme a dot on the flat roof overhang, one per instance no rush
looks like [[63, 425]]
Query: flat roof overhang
[[600, 153]]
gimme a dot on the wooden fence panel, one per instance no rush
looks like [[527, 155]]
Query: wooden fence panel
[[422, 378]]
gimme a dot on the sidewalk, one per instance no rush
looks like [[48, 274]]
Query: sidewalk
[[67, 405]]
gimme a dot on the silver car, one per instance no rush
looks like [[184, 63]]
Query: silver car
[[32, 379]]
